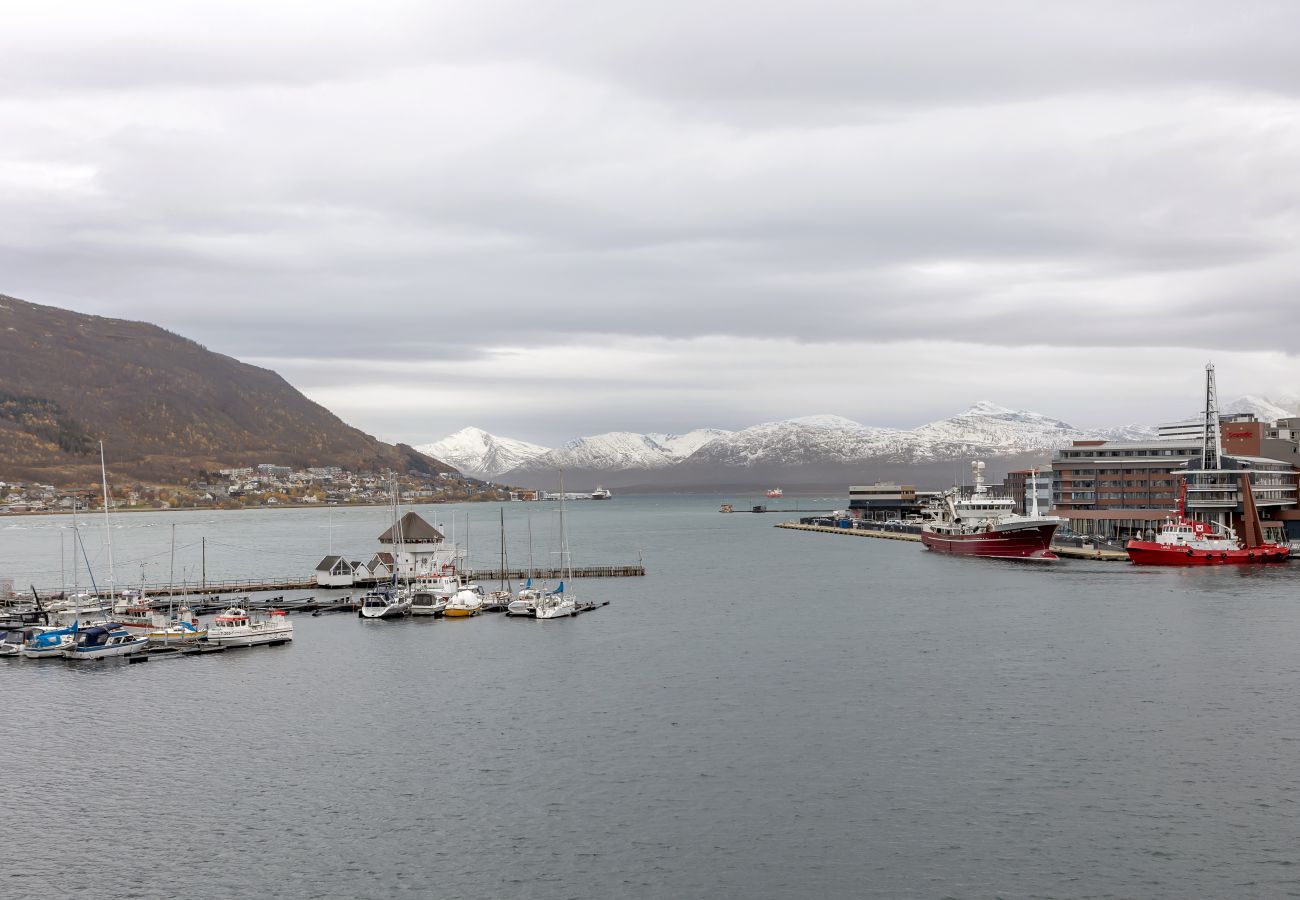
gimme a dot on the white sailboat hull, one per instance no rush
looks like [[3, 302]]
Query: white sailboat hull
[[556, 611], [126, 648]]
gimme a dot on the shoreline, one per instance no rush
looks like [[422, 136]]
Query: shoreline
[[99, 511]]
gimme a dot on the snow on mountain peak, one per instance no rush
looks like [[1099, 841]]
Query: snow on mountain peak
[[825, 420], [988, 408], [1266, 409], [477, 452]]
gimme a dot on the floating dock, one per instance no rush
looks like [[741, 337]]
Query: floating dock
[[194, 592]]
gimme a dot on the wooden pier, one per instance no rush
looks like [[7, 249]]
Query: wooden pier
[[308, 583], [636, 571]]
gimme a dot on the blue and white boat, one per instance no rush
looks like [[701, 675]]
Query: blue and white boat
[[50, 643], [100, 641]]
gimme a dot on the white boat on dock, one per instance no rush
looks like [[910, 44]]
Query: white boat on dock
[[385, 603], [103, 641], [237, 627]]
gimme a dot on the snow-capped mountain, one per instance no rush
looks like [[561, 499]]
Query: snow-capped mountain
[[618, 451], [476, 452], [985, 429], [991, 428], [683, 445], [795, 442], [821, 444], [1266, 409], [1132, 432]]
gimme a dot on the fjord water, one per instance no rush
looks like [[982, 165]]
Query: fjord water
[[768, 714]]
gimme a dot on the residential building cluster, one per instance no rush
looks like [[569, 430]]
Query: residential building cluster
[[252, 486]]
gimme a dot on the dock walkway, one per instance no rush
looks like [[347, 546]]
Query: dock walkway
[[299, 583]]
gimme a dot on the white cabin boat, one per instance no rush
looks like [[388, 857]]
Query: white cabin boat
[[103, 641], [236, 627], [385, 603]]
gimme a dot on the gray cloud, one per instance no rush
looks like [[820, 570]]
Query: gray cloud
[[336, 196]]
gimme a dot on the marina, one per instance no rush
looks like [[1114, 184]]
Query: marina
[[1044, 670]]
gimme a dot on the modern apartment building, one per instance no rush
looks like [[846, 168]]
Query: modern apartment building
[[1121, 489]]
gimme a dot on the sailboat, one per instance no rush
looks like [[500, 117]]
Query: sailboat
[[105, 639], [499, 600], [525, 604], [389, 601], [557, 604], [179, 626]]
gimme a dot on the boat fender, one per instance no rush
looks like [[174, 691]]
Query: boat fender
[[1190, 552]]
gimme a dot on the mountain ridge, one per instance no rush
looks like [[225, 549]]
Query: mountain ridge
[[164, 406]]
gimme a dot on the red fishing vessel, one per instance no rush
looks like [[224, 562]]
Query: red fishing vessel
[[1188, 542], [981, 525]]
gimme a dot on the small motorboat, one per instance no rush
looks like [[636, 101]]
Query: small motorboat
[[49, 643], [385, 603], [184, 628], [12, 641], [525, 605], [467, 602], [102, 641]]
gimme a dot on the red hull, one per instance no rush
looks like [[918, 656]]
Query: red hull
[[1149, 553], [1023, 543]]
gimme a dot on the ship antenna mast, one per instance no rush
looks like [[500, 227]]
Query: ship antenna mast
[[1211, 440]]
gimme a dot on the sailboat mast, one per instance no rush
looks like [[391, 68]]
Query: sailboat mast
[[171, 577], [108, 531], [75, 534], [502, 510]]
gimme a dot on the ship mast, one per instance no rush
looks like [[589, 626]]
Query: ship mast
[[1211, 440]]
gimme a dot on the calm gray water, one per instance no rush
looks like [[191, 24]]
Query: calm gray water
[[768, 714]]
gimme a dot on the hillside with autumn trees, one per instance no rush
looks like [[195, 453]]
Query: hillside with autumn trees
[[164, 406]]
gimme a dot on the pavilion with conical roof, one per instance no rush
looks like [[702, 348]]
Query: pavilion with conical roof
[[411, 529]]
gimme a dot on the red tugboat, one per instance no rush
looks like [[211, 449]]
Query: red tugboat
[[989, 526], [1187, 542]]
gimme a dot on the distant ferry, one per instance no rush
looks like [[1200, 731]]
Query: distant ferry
[[989, 526], [601, 493], [774, 492]]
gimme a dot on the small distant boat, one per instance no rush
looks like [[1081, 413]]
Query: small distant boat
[[467, 602], [49, 643], [774, 492], [726, 508], [79, 607], [601, 493], [385, 603], [236, 627], [102, 641], [13, 640], [427, 601], [183, 628], [555, 604], [524, 605]]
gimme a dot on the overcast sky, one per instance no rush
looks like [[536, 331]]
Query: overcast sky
[[559, 218]]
